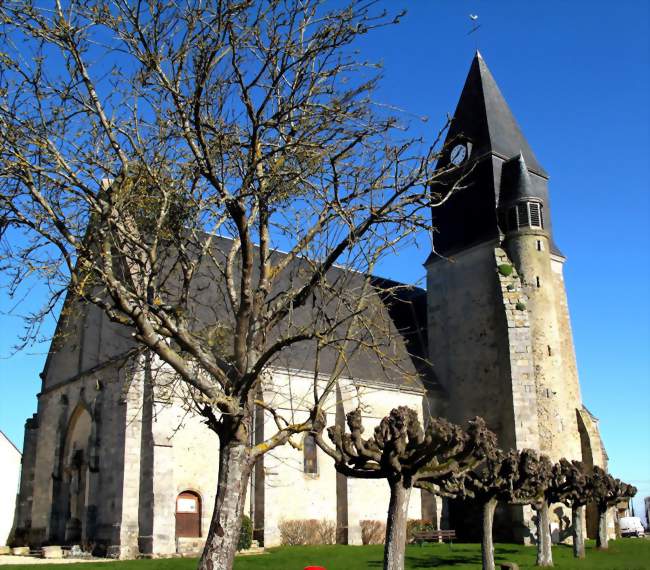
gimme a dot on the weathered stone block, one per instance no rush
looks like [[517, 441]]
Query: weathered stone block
[[20, 551], [52, 552], [189, 546], [4, 550], [509, 566]]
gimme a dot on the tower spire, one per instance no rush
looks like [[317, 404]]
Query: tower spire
[[484, 118], [496, 167]]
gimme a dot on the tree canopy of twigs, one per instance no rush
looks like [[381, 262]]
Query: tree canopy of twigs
[[607, 491], [516, 477], [134, 134], [407, 456], [571, 485], [532, 484]]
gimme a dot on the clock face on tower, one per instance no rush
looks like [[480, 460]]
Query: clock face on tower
[[458, 154]]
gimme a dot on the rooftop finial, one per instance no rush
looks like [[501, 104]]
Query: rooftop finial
[[475, 24]]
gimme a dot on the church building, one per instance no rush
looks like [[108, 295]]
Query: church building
[[113, 465]]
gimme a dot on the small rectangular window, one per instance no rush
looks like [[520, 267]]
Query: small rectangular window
[[538, 282]]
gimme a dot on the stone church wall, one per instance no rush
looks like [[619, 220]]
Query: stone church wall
[[572, 395], [558, 395], [368, 499], [468, 340], [85, 339], [520, 343], [290, 493], [143, 449], [44, 499]]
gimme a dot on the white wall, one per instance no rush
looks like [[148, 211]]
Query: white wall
[[9, 478], [292, 494], [192, 462]]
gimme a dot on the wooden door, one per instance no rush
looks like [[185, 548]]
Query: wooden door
[[188, 515]]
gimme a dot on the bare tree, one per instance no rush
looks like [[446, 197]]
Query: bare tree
[[607, 492], [134, 134], [572, 487], [407, 456]]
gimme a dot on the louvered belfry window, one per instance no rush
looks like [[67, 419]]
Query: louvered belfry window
[[526, 215], [535, 210]]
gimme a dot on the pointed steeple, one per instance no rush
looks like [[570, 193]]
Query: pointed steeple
[[496, 168], [483, 118]]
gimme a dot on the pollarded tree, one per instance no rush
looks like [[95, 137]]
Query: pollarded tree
[[486, 485], [407, 456], [572, 486], [516, 477], [607, 492], [134, 134], [531, 485]]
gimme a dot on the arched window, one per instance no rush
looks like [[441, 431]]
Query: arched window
[[310, 455], [188, 515]]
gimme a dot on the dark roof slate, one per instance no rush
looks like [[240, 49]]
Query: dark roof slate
[[394, 321], [501, 168], [483, 116], [516, 182]]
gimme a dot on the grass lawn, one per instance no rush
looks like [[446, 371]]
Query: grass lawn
[[627, 554]]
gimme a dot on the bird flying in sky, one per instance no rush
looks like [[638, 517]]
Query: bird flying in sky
[[473, 16]]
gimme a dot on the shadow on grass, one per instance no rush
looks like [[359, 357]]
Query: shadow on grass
[[455, 556], [432, 556], [436, 561]]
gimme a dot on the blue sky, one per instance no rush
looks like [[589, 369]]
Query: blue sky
[[576, 75]]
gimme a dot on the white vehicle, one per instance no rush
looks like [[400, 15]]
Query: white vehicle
[[631, 526]]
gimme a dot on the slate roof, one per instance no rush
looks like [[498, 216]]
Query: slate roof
[[396, 320], [483, 116], [516, 182], [501, 168]]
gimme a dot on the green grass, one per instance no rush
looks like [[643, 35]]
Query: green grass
[[627, 554]]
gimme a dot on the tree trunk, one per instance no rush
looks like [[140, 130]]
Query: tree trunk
[[487, 546], [544, 552], [223, 536], [601, 538], [396, 526], [578, 523]]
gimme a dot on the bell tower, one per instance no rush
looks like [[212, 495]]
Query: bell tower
[[499, 332]]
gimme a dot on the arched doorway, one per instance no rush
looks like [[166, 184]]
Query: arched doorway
[[188, 515], [75, 474]]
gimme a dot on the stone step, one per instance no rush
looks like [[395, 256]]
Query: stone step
[[52, 552], [20, 551]]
